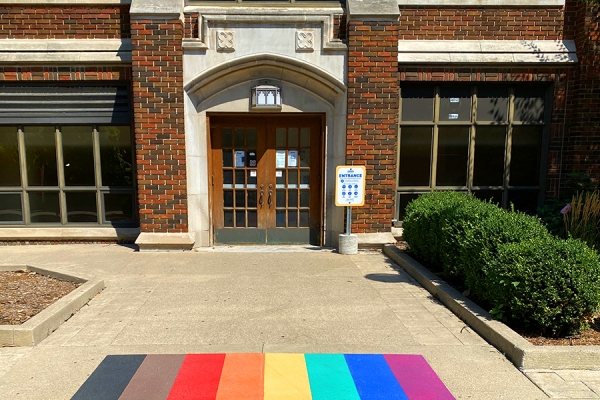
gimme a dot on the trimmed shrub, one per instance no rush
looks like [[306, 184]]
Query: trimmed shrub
[[529, 277], [549, 285]]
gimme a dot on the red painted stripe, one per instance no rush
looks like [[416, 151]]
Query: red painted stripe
[[198, 378]]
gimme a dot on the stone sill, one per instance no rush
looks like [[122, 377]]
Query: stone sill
[[45, 234]]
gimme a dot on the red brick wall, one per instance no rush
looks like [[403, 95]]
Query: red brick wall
[[72, 22], [489, 23], [157, 70], [75, 73], [582, 150], [373, 101]]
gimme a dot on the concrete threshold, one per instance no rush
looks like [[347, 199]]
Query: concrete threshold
[[41, 325], [517, 349]]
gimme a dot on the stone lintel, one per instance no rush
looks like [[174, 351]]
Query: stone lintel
[[156, 9], [373, 10], [161, 241]]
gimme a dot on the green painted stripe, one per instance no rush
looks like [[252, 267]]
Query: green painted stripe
[[330, 377]]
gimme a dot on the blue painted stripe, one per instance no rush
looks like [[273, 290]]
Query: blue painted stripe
[[110, 379], [330, 378], [373, 377]]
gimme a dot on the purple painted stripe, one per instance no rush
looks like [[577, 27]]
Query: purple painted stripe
[[417, 378], [154, 378]]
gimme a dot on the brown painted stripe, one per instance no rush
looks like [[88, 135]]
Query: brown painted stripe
[[154, 378]]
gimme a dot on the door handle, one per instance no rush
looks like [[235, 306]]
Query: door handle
[[260, 200], [270, 201]]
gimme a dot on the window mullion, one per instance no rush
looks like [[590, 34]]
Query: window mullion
[[61, 175], [23, 167], [508, 150], [97, 174], [471, 166], [434, 145]]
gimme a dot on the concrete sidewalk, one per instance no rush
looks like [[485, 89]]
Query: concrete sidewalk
[[305, 301]]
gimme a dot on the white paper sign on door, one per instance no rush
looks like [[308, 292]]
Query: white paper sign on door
[[292, 158], [280, 159], [239, 159]]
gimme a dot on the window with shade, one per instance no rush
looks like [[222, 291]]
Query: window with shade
[[66, 175], [489, 140]]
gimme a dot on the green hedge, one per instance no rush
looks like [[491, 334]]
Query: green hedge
[[530, 278]]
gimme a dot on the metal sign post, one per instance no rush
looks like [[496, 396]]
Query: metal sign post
[[349, 191]]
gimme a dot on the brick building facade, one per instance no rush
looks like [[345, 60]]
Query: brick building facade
[[190, 123]]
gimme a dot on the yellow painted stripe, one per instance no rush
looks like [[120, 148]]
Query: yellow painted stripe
[[286, 377]]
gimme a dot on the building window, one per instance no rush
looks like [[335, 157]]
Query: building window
[[66, 175], [485, 139]]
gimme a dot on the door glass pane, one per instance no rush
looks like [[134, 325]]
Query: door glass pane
[[251, 137], [305, 179], [524, 200], [11, 209], [280, 178], [489, 156], [453, 155], [239, 178], [78, 156], [40, 153], [44, 207], [9, 154], [240, 198], [252, 219], [116, 160], [251, 178], [280, 136], [240, 218], [415, 156], [304, 218], [239, 137], [228, 218], [228, 179], [227, 158], [529, 103], [228, 198], [292, 218], [280, 218], [292, 198], [292, 178], [305, 158], [417, 103], [226, 138], [81, 207], [304, 198], [492, 196], [455, 103], [251, 160], [251, 198], [293, 137], [492, 104], [118, 207], [280, 198], [305, 137], [526, 155]]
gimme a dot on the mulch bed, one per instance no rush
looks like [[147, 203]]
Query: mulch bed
[[24, 294], [590, 337]]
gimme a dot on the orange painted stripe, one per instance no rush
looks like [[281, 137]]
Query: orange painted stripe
[[242, 377]]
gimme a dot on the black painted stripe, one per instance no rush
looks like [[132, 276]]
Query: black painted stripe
[[110, 379]]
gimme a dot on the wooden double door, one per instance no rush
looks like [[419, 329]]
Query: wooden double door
[[266, 173]]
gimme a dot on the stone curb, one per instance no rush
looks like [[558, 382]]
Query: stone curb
[[518, 350], [40, 326]]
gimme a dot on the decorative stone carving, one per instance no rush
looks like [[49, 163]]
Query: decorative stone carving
[[305, 41], [225, 41]]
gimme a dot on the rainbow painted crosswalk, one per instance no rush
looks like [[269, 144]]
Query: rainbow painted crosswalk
[[254, 376]]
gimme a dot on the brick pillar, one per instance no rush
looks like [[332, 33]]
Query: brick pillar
[[582, 153], [157, 69], [373, 101]]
